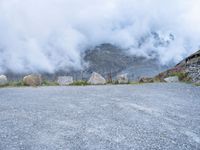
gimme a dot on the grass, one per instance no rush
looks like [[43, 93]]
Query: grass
[[20, 83], [2, 86], [16, 83], [80, 83], [197, 84], [135, 83], [49, 83]]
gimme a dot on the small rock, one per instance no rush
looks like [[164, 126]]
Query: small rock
[[3, 80], [65, 80], [32, 80], [146, 80], [96, 79], [171, 79], [122, 79]]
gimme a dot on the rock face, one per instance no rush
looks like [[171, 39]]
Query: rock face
[[32, 80], [194, 73], [65, 80], [122, 79], [146, 80], [96, 79], [171, 79], [108, 59], [186, 70], [3, 80], [193, 67]]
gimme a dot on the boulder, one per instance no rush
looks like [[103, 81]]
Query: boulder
[[122, 79], [96, 79], [146, 80], [3, 80], [65, 80], [171, 79], [32, 80]]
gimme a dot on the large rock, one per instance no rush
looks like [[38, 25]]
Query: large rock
[[122, 79], [32, 80], [65, 80], [96, 79], [3, 80], [171, 79]]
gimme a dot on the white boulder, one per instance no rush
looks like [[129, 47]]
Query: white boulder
[[171, 79], [3, 80], [96, 79]]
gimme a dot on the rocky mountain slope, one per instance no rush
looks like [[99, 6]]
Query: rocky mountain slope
[[110, 60], [186, 70]]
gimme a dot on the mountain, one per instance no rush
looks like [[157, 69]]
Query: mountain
[[108, 59]]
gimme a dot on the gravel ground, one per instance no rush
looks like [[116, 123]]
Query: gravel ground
[[149, 116]]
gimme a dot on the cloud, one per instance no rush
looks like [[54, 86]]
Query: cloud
[[50, 35]]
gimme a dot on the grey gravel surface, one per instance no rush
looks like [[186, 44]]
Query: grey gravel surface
[[140, 117]]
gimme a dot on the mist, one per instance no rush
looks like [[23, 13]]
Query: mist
[[51, 35]]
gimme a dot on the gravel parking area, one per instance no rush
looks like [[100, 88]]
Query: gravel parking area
[[120, 117]]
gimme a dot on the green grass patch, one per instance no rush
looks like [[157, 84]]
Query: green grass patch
[[16, 83], [197, 84], [49, 83], [2, 86], [80, 83], [135, 83]]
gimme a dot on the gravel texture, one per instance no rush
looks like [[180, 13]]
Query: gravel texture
[[124, 117]]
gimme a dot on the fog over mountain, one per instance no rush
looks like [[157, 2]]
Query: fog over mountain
[[52, 35]]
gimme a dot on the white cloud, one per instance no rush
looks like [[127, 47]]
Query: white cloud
[[47, 35]]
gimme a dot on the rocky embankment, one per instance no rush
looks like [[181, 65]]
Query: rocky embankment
[[187, 70]]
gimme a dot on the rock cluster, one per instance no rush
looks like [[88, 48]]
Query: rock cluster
[[3, 80], [96, 79]]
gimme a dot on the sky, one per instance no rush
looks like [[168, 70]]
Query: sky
[[51, 35]]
